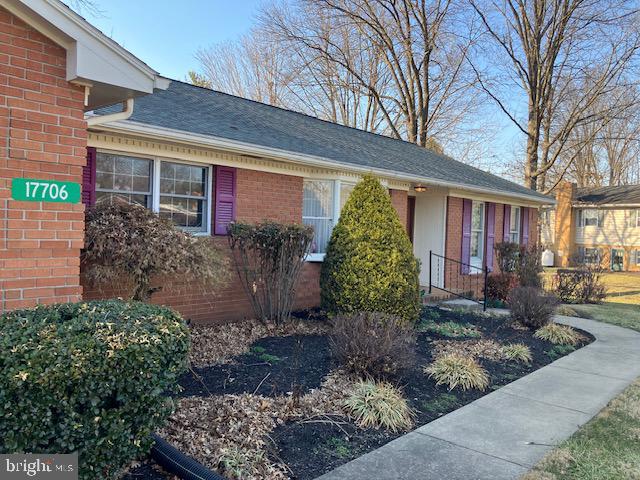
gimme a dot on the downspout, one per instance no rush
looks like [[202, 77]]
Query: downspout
[[127, 111]]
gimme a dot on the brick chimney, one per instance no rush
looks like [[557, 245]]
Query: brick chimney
[[565, 228]]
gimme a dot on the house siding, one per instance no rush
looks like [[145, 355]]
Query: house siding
[[42, 135], [618, 229], [260, 196], [454, 279]]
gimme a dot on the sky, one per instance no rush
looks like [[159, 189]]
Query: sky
[[166, 37]]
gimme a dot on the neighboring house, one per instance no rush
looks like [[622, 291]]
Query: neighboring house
[[594, 225], [204, 158]]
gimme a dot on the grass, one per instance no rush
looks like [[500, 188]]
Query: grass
[[457, 370], [622, 305], [558, 351], [605, 448], [449, 329], [627, 316], [444, 402]]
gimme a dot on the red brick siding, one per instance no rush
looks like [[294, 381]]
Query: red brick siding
[[42, 116], [399, 202], [453, 244], [260, 196]]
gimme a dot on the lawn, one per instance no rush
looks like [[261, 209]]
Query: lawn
[[622, 305], [608, 447], [620, 314]]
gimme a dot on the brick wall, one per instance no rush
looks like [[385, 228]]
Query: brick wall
[[453, 244], [43, 136], [399, 202], [565, 226], [260, 196]]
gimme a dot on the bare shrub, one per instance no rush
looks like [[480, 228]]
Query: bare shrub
[[531, 307], [529, 266], [131, 244], [268, 257], [373, 344], [499, 285], [582, 285], [507, 254]]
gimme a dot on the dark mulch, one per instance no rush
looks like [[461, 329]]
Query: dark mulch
[[313, 449], [274, 366], [148, 471]]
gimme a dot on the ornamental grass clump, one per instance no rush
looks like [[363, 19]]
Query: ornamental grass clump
[[93, 378], [268, 257], [457, 370], [558, 334], [379, 405], [369, 265], [130, 244], [516, 352], [372, 344]]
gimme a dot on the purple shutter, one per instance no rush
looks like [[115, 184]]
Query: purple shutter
[[465, 257], [524, 237], [491, 234], [225, 209], [506, 237], [89, 178]]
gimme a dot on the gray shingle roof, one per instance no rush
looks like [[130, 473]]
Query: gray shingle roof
[[206, 112], [624, 194]]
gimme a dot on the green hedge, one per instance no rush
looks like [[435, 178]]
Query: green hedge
[[89, 378], [369, 265]]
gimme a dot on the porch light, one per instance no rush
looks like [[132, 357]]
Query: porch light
[[420, 188]]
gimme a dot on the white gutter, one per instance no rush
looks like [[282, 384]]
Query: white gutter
[[605, 205], [127, 111], [161, 133]]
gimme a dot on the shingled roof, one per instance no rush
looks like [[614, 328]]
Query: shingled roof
[[197, 110], [622, 195]]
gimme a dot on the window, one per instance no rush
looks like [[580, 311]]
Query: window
[[119, 177], [637, 218], [637, 257], [590, 255], [477, 234], [345, 191], [590, 217], [514, 225], [318, 211], [322, 203], [546, 216], [177, 191]]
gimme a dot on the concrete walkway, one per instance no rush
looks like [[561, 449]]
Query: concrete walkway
[[504, 433]]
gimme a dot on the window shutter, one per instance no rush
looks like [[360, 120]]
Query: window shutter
[[491, 234], [89, 178], [225, 207], [524, 236], [600, 218], [466, 237], [506, 223]]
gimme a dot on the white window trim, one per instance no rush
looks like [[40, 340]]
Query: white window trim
[[478, 262], [637, 217], [517, 224], [319, 257], [155, 184], [155, 189], [583, 218]]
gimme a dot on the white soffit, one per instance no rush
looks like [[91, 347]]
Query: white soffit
[[93, 59]]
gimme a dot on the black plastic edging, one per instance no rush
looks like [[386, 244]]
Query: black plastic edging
[[176, 462]]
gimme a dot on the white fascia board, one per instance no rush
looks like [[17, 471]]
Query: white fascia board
[[606, 205], [129, 127], [91, 55]]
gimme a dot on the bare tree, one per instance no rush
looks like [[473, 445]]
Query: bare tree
[[564, 56], [420, 49]]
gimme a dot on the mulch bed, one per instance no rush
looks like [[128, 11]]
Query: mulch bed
[[278, 366]]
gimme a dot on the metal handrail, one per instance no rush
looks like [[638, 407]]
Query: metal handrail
[[479, 273]]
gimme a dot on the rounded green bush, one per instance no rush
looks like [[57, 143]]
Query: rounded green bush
[[369, 265], [89, 377]]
